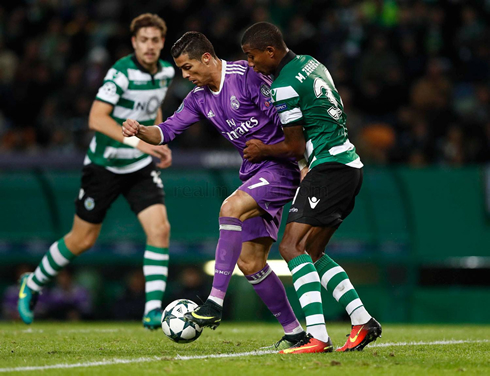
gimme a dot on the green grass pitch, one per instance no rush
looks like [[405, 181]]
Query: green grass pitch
[[128, 349]]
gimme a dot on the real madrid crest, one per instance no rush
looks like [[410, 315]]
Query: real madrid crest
[[234, 103]]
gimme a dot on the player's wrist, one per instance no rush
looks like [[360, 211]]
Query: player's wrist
[[302, 163], [131, 141]]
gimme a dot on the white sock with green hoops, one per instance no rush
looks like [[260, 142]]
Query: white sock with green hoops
[[335, 279], [307, 285], [53, 261], [155, 269]]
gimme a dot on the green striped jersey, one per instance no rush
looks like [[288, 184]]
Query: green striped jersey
[[135, 94], [304, 94]]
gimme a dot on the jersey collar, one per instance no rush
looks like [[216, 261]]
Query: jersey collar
[[286, 59], [223, 73], [143, 69]]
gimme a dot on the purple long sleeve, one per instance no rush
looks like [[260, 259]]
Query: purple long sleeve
[[241, 110]]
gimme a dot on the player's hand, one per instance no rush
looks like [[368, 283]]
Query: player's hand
[[130, 128], [166, 157], [303, 173], [254, 151], [162, 152]]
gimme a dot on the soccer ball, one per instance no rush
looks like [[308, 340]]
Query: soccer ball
[[175, 326]]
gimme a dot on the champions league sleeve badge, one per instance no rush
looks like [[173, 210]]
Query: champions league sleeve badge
[[265, 90]]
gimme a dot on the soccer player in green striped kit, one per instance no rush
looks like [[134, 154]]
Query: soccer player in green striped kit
[[134, 87], [314, 122]]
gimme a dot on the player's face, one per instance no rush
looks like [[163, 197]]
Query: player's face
[[196, 71], [148, 44], [260, 61]]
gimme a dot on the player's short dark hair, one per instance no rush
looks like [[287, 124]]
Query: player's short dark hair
[[263, 34], [148, 20], [194, 44]]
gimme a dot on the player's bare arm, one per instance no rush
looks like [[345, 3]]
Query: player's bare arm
[[150, 134], [100, 120], [292, 146], [166, 153]]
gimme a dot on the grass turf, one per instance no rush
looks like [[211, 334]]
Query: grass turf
[[50, 344]]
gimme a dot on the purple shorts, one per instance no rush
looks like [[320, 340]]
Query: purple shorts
[[271, 187]]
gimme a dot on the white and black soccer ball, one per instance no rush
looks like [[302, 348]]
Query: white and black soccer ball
[[175, 326]]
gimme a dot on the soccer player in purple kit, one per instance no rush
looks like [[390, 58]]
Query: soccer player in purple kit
[[236, 100]]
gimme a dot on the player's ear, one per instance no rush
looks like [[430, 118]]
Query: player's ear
[[271, 51], [206, 58], [133, 41]]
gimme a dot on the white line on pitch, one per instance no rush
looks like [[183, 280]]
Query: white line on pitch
[[77, 365], [250, 353], [62, 331], [451, 342], [236, 355]]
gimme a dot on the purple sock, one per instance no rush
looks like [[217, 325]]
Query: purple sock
[[227, 254], [270, 289]]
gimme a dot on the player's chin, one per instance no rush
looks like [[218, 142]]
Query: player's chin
[[262, 71], [151, 59]]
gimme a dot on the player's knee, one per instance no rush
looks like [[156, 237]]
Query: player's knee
[[315, 253], [159, 232], [165, 229], [83, 243], [290, 249], [250, 266], [230, 208]]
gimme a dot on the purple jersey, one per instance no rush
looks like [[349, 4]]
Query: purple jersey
[[241, 110]]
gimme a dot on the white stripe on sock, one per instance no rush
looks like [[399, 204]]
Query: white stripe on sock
[[330, 274], [216, 300], [151, 305], [57, 256], [260, 278], [155, 256], [298, 268], [307, 278], [319, 332], [40, 275], [155, 286], [315, 319], [230, 227], [360, 316], [353, 305], [48, 267], [342, 288], [310, 297], [155, 270], [33, 285]]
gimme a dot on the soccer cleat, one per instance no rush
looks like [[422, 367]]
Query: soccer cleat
[[206, 315], [361, 335], [286, 342], [152, 319], [309, 345], [27, 300]]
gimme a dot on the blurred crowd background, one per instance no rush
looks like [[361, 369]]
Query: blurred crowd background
[[414, 75], [91, 293]]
